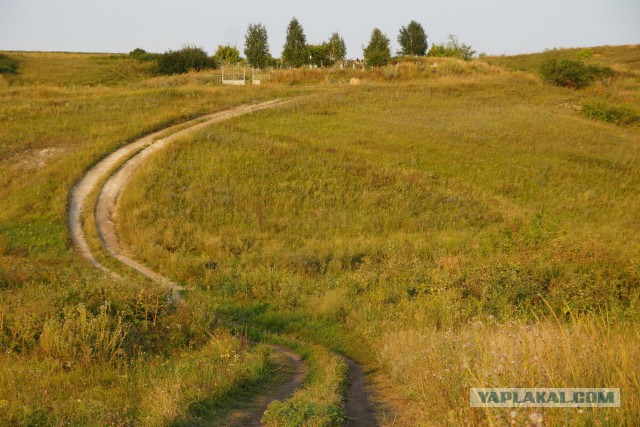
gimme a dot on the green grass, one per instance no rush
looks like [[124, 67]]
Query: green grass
[[434, 223], [407, 212], [621, 57], [82, 346]]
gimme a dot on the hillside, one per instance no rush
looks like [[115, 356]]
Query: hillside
[[622, 58], [444, 224]]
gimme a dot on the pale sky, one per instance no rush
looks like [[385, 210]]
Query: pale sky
[[492, 26]]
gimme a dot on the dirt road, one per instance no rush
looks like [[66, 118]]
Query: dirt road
[[117, 171]]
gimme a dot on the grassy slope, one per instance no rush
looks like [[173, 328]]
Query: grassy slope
[[77, 347], [619, 57], [395, 281], [438, 219]]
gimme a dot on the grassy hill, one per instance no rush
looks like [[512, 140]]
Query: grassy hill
[[623, 58], [456, 225]]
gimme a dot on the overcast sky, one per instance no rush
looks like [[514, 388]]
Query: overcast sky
[[492, 26]]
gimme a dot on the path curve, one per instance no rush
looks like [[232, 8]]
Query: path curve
[[358, 410]]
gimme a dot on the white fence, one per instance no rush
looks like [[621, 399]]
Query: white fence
[[237, 76]]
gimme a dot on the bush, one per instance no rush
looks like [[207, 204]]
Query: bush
[[572, 74], [137, 52], [143, 55], [227, 55], [452, 49], [183, 60], [8, 65], [619, 115], [584, 53]]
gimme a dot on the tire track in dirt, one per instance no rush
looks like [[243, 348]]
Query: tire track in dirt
[[358, 410]]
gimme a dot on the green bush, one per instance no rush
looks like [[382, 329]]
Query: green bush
[[573, 74], [616, 114], [183, 60], [8, 65], [452, 49], [143, 55], [584, 53]]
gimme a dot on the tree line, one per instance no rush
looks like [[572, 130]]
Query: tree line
[[297, 52], [411, 38]]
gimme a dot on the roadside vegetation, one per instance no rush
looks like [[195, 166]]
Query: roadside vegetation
[[448, 223]]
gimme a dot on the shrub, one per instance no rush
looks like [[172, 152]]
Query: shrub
[[143, 55], [227, 55], [616, 114], [584, 53], [137, 52], [452, 49], [183, 60], [572, 74], [8, 65]]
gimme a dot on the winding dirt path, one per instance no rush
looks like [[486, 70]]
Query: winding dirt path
[[358, 409], [251, 416]]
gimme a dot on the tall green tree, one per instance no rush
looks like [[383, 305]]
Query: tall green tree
[[256, 46], [295, 51], [378, 52], [337, 48], [413, 39], [227, 55]]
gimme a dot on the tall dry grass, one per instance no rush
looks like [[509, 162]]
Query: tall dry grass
[[438, 367]]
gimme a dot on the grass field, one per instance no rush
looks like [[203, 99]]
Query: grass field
[[448, 226], [78, 347]]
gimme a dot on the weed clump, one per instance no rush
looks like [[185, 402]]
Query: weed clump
[[186, 59], [573, 74], [616, 114]]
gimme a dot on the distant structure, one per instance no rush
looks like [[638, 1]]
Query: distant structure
[[237, 77]]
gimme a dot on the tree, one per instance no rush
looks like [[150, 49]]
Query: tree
[[378, 52], [336, 48], [256, 46], [227, 55], [319, 55], [413, 39], [295, 51]]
